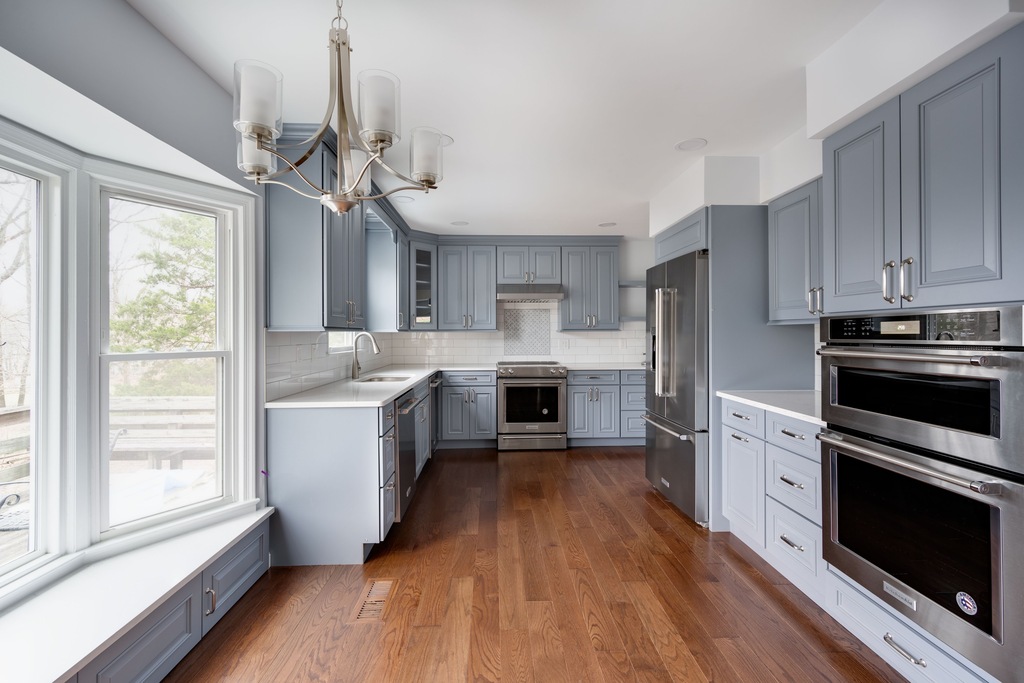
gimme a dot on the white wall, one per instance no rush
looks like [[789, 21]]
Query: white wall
[[896, 46], [793, 162], [711, 180]]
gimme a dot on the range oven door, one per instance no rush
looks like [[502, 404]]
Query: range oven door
[[940, 543], [949, 401], [531, 406]]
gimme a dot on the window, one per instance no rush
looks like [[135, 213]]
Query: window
[[339, 342], [162, 375], [19, 232]]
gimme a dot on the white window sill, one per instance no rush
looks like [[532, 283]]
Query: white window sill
[[50, 636]]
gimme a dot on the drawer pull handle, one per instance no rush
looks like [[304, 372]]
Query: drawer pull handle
[[213, 601], [794, 435], [593, 376], [790, 543], [390, 415], [470, 379], [390, 487], [390, 437], [787, 480], [891, 642], [740, 438], [741, 416]]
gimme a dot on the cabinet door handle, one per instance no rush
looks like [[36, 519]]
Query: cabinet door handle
[[470, 320], [794, 435], [463, 320], [903, 292], [472, 395], [597, 394], [741, 416], [526, 276], [810, 295], [590, 393], [820, 297], [213, 601], [465, 397], [790, 543], [401, 320], [885, 282], [740, 438], [891, 642], [790, 482]]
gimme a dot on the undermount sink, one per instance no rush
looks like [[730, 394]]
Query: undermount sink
[[385, 378]]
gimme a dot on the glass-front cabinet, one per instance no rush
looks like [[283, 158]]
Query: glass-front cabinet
[[423, 281]]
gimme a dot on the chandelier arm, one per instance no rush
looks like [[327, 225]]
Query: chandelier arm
[[295, 168], [345, 101], [339, 67], [421, 188], [359, 178], [397, 174], [266, 181]]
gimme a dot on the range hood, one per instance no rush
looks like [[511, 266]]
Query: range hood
[[530, 293]]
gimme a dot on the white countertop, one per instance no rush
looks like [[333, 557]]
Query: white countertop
[[356, 394], [801, 404]]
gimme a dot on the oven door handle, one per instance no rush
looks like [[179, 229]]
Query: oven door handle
[[681, 437], [522, 381], [908, 357], [988, 488]]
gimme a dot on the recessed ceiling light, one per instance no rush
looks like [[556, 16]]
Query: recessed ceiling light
[[691, 145], [402, 199], [606, 225], [460, 223]]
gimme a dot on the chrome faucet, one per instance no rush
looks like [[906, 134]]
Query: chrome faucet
[[355, 351]]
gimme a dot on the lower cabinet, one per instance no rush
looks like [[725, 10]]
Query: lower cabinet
[[469, 406], [423, 418], [155, 646], [632, 401], [743, 485], [593, 404]]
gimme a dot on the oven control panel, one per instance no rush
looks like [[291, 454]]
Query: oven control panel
[[953, 327]]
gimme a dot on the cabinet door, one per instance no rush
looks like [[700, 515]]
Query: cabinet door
[[962, 168], [337, 298], [743, 485], [606, 412], [422, 435], [455, 413], [233, 573], [356, 265], [483, 408], [451, 288], [403, 282], [861, 211], [481, 290], [423, 286], [604, 288], [546, 265], [580, 414], [513, 265], [576, 278], [794, 254]]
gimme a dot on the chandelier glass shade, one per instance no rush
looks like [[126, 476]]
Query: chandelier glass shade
[[362, 138]]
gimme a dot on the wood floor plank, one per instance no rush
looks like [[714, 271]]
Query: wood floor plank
[[624, 588]]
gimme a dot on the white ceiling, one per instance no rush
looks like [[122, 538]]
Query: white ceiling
[[565, 113]]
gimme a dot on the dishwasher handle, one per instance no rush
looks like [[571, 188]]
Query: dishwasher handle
[[409, 405]]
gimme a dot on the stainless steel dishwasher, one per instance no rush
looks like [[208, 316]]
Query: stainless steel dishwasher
[[405, 468]]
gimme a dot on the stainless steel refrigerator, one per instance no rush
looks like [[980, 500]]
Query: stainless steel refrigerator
[[677, 441]]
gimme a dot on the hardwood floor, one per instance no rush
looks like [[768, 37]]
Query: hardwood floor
[[536, 566]]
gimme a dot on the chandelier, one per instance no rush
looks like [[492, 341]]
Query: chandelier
[[362, 139]]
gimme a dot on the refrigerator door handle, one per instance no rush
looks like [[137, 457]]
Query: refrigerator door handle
[[664, 307], [681, 437]]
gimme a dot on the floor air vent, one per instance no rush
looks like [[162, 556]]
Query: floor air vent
[[375, 597]]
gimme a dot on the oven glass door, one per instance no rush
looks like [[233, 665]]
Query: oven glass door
[[531, 405], [941, 544]]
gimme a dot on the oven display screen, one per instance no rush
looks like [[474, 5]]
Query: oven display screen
[[901, 327], [933, 540]]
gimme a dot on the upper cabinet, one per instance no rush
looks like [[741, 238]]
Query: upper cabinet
[[387, 277], [315, 259], [590, 276], [529, 265], [467, 292], [921, 198], [794, 255], [423, 283]]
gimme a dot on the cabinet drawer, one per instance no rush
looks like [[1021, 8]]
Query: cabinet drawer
[[464, 379], [633, 377], [633, 397], [386, 459], [793, 435], [793, 546], [385, 418], [233, 573], [593, 377], [871, 622], [632, 424], [387, 507], [743, 417], [794, 481]]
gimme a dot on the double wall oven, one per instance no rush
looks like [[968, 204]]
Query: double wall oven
[[531, 405], [923, 470]]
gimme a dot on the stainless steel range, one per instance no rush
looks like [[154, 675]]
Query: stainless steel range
[[531, 405]]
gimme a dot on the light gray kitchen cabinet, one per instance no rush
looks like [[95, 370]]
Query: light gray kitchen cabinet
[[387, 277], [423, 284], [743, 485], [795, 285], [590, 276], [633, 402], [315, 259], [151, 649], [529, 265], [594, 410], [233, 573], [469, 406], [331, 478], [467, 288], [962, 158], [689, 234], [861, 211]]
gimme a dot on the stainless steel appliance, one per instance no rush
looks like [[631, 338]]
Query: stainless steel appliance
[[435, 410], [923, 472], [677, 382], [405, 467], [531, 405]]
